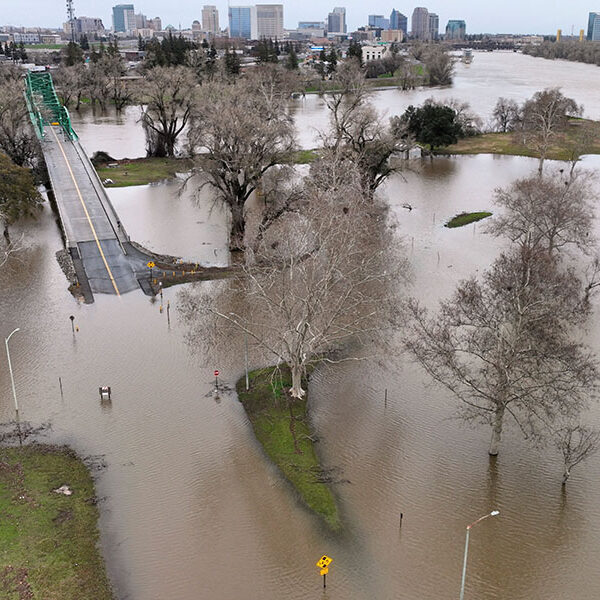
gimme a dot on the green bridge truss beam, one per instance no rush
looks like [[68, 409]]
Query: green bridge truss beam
[[44, 105]]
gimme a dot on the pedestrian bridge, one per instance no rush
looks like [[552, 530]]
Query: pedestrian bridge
[[104, 259]]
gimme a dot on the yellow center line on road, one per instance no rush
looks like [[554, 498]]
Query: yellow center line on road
[[87, 214]]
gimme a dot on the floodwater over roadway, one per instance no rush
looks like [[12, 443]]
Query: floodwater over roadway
[[191, 508]]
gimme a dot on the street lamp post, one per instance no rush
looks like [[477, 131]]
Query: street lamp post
[[464, 569], [12, 381]]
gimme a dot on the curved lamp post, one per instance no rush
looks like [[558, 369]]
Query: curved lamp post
[[12, 381], [464, 570]]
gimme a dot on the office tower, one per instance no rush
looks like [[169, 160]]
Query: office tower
[[336, 20], [210, 19], [420, 23], [155, 24], [456, 30], [434, 26], [123, 18], [140, 21], [398, 22], [269, 21], [240, 21], [593, 32], [379, 22]]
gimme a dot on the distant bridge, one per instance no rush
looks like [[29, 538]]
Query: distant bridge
[[104, 259]]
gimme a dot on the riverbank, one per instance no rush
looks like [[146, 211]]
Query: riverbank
[[48, 540], [564, 147], [284, 432], [143, 171]]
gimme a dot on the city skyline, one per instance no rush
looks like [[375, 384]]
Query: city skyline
[[535, 16]]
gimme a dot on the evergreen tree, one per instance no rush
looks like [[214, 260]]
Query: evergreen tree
[[291, 62], [232, 62], [355, 51], [141, 43], [332, 60], [84, 42], [73, 54]]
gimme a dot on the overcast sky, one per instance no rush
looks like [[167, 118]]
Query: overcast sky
[[490, 16]]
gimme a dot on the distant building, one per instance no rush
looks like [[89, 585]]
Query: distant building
[[140, 21], [456, 30], [84, 26], [593, 32], [398, 21], [370, 53], [210, 19], [196, 26], [420, 23], [312, 25], [240, 21], [26, 38], [123, 18], [379, 22], [336, 20], [269, 21], [155, 24], [434, 26], [392, 35]]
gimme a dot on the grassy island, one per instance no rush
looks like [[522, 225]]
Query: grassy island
[[463, 219], [283, 430], [141, 171], [48, 541]]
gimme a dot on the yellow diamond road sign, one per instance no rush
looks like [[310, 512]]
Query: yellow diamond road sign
[[323, 562], [324, 571], [150, 264]]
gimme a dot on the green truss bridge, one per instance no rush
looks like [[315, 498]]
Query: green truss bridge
[[104, 259]]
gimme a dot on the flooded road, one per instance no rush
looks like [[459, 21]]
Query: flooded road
[[192, 509]]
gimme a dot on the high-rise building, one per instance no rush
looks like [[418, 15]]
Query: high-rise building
[[456, 30], [311, 25], [155, 24], [593, 32], [336, 20], [379, 22], [398, 22], [123, 18], [269, 21], [420, 23], [210, 19], [434, 26], [84, 26], [140, 21], [240, 21]]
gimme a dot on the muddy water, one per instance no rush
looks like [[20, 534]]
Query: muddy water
[[489, 76], [192, 509]]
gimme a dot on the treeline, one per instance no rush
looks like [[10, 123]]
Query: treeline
[[585, 52]]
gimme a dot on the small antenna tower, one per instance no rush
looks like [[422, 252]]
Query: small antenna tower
[[71, 17]]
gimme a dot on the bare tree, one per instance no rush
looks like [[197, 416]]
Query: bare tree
[[575, 442], [71, 84], [358, 131], [320, 284], [503, 346], [242, 130], [440, 66], [506, 115], [111, 69], [168, 96], [582, 142], [543, 117], [550, 213], [17, 139]]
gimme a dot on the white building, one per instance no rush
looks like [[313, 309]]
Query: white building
[[370, 53], [26, 38]]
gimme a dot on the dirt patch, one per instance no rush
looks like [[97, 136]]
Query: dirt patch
[[13, 581]]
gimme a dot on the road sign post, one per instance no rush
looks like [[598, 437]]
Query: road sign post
[[216, 380], [150, 265], [323, 564]]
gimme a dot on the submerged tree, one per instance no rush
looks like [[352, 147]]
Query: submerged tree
[[433, 125], [319, 285], [168, 96], [504, 346], [506, 115], [242, 131], [576, 443]]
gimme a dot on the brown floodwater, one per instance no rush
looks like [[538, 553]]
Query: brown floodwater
[[191, 508]]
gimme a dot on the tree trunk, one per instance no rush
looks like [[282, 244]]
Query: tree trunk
[[566, 474], [497, 430], [541, 166], [6, 234], [296, 390], [238, 228]]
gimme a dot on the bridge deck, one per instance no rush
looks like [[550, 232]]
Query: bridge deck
[[91, 225]]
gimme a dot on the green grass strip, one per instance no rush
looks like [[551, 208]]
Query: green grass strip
[[267, 408], [463, 219], [48, 541]]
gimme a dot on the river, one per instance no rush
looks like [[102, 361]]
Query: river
[[191, 508]]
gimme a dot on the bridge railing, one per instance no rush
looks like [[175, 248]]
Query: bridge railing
[[44, 106]]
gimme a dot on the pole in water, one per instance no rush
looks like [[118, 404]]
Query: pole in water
[[217, 380], [61, 388], [169, 313], [72, 323], [385, 398], [401, 515], [324, 580]]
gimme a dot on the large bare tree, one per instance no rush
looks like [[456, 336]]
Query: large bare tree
[[544, 116], [242, 131], [319, 284], [576, 443], [505, 346], [168, 96], [551, 212]]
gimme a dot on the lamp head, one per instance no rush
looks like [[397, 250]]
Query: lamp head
[[494, 513]]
